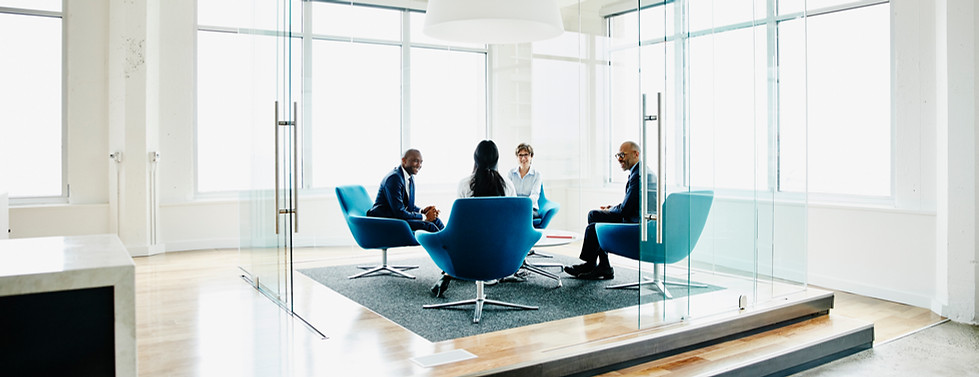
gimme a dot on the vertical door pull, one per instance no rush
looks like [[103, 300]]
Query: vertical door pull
[[275, 156]]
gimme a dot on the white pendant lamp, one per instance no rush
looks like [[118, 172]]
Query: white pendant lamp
[[493, 21]]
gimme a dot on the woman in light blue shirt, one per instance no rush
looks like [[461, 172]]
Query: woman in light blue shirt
[[526, 180]]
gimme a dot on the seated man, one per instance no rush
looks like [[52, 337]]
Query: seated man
[[396, 196], [625, 212]]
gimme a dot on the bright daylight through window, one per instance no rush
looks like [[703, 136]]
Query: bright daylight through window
[[358, 109], [31, 99], [843, 72]]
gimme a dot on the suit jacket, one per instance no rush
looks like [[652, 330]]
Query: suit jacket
[[392, 199], [630, 206]]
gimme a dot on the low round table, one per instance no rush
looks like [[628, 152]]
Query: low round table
[[551, 237]]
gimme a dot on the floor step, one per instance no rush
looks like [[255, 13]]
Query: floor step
[[779, 351]]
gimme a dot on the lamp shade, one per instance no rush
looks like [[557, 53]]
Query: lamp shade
[[493, 21]]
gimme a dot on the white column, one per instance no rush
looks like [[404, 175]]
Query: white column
[[133, 126], [956, 246]]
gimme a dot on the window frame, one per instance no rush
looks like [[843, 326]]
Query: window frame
[[63, 197], [772, 17], [304, 39]]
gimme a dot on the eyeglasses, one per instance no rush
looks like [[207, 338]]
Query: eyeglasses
[[619, 155], [523, 155]]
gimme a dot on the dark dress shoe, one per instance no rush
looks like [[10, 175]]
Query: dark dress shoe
[[441, 286], [598, 273], [579, 269]]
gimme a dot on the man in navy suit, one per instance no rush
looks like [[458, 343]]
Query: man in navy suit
[[625, 212], [396, 196]]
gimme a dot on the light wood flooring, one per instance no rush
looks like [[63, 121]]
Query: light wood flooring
[[197, 317]]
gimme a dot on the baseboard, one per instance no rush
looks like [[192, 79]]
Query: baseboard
[[920, 300], [234, 243]]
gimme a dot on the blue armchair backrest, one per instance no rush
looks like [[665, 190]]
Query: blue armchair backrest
[[684, 216], [547, 209], [354, 200], [371, 232], [484, 239]]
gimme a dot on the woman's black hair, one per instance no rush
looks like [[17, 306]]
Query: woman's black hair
[[486, 181]]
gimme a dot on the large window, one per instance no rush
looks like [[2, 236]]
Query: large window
[[370, 90], [850, 102], [32, 150], [744, 127]]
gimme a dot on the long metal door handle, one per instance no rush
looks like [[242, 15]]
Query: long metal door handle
[[295, 168], [275, 127], [644, 204], [644, 185], [660, 163]]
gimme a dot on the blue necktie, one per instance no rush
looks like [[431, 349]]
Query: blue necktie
[[411, 192]]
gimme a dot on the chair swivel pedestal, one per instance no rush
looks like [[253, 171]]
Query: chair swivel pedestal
[[657, 283], [374, 232], [480, 301], [537, 268], [384, 267], [486, 238]]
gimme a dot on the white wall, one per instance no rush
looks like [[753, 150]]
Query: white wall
[[922, 251]]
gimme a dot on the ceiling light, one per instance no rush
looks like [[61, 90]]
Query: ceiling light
[[493, 21]]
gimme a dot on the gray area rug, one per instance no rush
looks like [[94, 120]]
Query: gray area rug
[[400, 300]]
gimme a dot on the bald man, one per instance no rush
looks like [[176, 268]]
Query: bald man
[[625, 212], [396, 196]]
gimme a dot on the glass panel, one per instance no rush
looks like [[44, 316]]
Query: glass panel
[[263, 15], [366, 80], [232, 97], [267, 200], [30, 105], [343, 20], [710, 14], [555, 85], [448, 111], [850, 96], [48, 5]]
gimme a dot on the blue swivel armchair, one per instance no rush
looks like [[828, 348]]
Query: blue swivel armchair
[[684, 216], [547, 209], [374, 232], [484, 239]]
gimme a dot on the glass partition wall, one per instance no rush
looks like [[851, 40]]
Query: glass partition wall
[[712, 91], [715, 92]]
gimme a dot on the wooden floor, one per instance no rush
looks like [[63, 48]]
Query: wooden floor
[[197, 317]]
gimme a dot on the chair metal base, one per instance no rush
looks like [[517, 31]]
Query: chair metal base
[[534, 253], [537, 269], [479, 301], [657, 283], [395, 270]]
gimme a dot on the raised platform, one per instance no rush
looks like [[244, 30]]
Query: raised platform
[[681, 348]]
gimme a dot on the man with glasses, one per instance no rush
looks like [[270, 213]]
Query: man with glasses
[[625, 212], [396, 196]]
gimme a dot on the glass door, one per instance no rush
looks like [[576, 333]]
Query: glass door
[[268, 210], [721, 110]]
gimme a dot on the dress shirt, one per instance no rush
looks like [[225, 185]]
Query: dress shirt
[[466, 192], [528, 185]]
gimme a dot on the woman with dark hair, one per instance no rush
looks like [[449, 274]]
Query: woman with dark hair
[[485, 180]]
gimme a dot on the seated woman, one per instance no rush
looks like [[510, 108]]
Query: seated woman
[[527, 180], [484, 181]]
